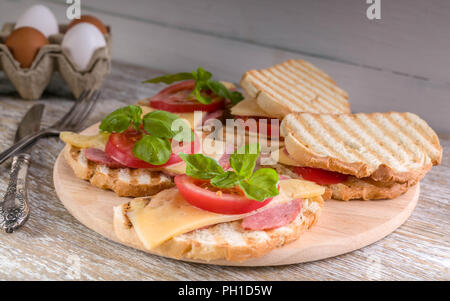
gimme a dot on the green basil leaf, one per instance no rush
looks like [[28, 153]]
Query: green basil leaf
[[197, 94], [170, 78], [236, 97], [220, 89], [261, 185], [228, 179], [202, 74], [243, 160], [120, 120], [200, 166], [159, 123], [153, 150], [182, 130]]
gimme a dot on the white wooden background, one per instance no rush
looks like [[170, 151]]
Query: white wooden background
[[400, 62]]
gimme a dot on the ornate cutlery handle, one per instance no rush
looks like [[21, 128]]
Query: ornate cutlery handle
[[14, 208]]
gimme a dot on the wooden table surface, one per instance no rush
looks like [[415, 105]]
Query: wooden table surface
[[54, 245]]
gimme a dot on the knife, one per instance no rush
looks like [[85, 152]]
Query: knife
[[14, 209]]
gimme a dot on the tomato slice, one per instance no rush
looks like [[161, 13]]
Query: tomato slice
[[203, 195], [320, 176], [268, 125], [120, 148], [176, 98]]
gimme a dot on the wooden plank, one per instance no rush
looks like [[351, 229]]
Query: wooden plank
[[175, 50], [53, 245], [411, 38]]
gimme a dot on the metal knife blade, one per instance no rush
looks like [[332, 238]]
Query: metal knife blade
[[31, 122], [14, 208]]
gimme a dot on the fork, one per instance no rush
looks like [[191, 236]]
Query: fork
[[71, 121]]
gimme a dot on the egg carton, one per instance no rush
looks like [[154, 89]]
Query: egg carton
[[30, 83]]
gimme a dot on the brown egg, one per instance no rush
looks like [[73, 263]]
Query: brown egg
[[24, 44], [89, 19]]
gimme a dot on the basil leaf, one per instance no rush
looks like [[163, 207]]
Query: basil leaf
[[153, 150], [120, 120], [200, 166], [202, 74], [170, 78], [159, 123], [219, 89], [243, 160], [261, 185], [236, 97], [183, 132], [228, 179], [197, 94]]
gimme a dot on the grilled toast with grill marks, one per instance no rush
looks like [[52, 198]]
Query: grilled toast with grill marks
[[123, 181], [227, 240], [388, 147], [294, 86]]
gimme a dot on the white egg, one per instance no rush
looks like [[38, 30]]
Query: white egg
[[81, 41], [39, 17]]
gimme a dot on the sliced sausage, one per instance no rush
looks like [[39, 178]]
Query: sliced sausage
[[275, 217], [100, 157]]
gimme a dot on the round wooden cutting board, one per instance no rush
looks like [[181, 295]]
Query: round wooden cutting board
[[342, 227]]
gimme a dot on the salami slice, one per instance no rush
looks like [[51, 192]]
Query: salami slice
[[274, 217], [98, 156]]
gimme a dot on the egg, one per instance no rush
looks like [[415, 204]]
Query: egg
[[81, 41], [39, 17], [24, 44], [89, 19]]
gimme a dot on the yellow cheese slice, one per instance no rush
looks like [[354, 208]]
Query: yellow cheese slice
[[283, 158], [85, 141], [168, 214], [191, 118], [248, 107]]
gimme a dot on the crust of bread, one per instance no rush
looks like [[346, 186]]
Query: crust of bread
[[304, 154], [193, 246], [278, 104], [354, 188], [87, 170]]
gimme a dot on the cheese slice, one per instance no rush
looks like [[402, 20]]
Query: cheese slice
[[194, 119], [283, 157], [168, 214], [248, 107]]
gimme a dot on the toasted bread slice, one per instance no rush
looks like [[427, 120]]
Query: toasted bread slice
[[388, 147], [227, 241], [294, 86], [354, 188], [123, 181]]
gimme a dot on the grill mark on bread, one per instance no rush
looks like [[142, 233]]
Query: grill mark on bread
[[316, 87], [390, 148], [321, 76], [350, 141], [289, 85], [371, 127], [270, 88], [417, 133], [388, 126], [311, 94], [294, 86], [335, 148]]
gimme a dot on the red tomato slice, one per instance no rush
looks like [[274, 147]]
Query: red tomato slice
[[120, 148], [268, 126], [176, 98], [201, 194], [320, 176]]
